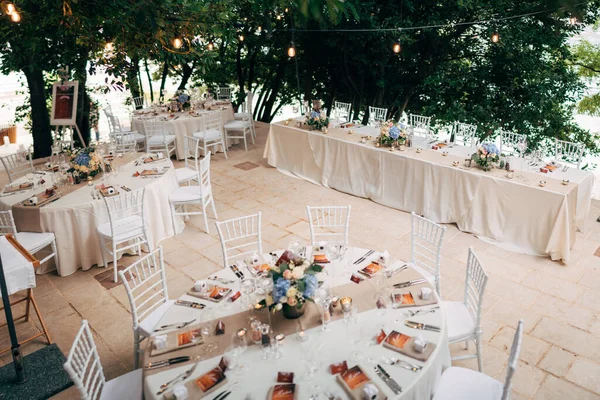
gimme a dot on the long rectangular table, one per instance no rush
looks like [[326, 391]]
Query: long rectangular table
[[516, 213]]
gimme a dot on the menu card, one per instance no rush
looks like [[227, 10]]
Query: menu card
[[210, 380], [214, 293], [288, 391], [353, 380], [372, 269]]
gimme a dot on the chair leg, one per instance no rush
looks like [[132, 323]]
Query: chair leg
[[173, 218], [37, 311], [55, 251], [205, 216], [212, 202], [136, 350], [466, 345], [245, 143], [114, 249], [251, 137], [102, 251], [224, 144], [479, 355], [29, 294]]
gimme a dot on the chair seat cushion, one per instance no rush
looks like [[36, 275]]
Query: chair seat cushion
[[459, 383], [159, 139], [186, 194], [239, 115], [458, 319], [128, 386], [237, 125], [185, 174], [34, 241], [147, 326], [209, 134], [129, 137], [421, 131], [124, 228]]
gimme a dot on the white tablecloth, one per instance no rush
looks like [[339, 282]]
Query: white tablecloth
[[184, 125], [337, 346], [18, 271], [74, 217], [517, 213]]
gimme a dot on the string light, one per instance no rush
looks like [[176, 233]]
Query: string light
[[278, 17], [241, 37], [573, 20], [109, 47], [10, 8], [287, 9], [292, 51], [15, 16], [259, 29], [210, 46], [396, 48], [177, 42], [495, 37]]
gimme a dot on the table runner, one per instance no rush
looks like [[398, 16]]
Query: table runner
[[517, 214], [362, 297]]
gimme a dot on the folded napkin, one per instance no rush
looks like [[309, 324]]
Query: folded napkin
[[410, 298], [199, 387], [180, 392], [405, 344], [176, 340]]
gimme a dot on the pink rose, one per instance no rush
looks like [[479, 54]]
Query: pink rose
[[292, 301], [287, 274]]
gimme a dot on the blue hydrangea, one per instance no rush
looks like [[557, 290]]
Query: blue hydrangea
[[183, 98], [394, 132], [491, 148], [280, 289], [315, 114], [82, 159], [312, 283]]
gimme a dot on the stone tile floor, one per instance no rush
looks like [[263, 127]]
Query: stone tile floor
[[559, 302]]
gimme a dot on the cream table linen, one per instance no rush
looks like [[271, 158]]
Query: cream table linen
[[335, 345], [184, 125], [18, 271], [517, 213], [74, 217]]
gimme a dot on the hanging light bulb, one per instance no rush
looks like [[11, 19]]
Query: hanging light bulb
[[259, 29], [573, 20], [396, 48], [292, 51], [495, 37], [278, 17], [109, 47], [287, 9], [10, 8], [210, 46], [15, 16], [241, 37], [177, 42]]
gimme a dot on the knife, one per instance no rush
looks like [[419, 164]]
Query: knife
[[191, 304], [418, 325], [361, 259], [222, 395], [164, 363], [410, 283], [402, 268], [386, 380], [389, 378]]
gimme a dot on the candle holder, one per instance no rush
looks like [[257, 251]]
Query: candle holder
[[346, 304], [510, 174], [419, 150], [468, 162], [301, 334], [455, 163], [542, 183], [565, 182]]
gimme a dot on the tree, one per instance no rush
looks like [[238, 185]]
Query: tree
[[586, 61]]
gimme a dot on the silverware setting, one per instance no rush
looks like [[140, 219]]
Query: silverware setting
[[423, 311], [402, 268], [392, 384], [220, 280], [402, 364], [164, 363], [421, 326], [179, 378], [410, 283], [566, 168], [222, 395], [176, 325], [361, 259], [191, 304], [11, 193]]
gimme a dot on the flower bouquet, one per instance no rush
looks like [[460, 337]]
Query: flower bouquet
[[294, 283], [392, 133], [183, 99], [316, 118], [86, 162], [487, 154]]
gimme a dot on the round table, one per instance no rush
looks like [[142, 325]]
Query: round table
[[335, 345], [181, 125], [74, 217]]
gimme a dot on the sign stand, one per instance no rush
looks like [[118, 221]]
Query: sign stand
[[64, 106]]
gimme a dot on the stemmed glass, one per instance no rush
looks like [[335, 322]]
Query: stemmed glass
[[207, 330], [521, 147], [312, 363]]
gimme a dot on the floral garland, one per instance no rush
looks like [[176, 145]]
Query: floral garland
[[392, 133]]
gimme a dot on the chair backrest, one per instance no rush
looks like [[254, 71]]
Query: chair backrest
[[329, 223], [240, 236], [212, 120], [154, 127], [475, 283], [342, 111], [464, 134], [224, 93], [7, 223], [124, 206], [509, 141], [248, 102], [59, 146], [123, 142], [569, 151], [426, 246], [108, 111], [377, 114], [83, 364], [138, 102], [18, 164], [419, 121], [190, 148], [145, 282], [513, 360]]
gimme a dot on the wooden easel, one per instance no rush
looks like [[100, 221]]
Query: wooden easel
[[29, 298]]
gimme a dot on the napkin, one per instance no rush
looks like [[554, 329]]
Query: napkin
[[200, 286], [160, 342], [370, 391], [385, 257], [33, 200], [180, 392], [426, 293]]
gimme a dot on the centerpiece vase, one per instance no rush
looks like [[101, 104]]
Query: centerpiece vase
[[294, 312]]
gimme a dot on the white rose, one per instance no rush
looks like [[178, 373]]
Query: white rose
[[298, 273], [279, 306], [305, 264], [283, 299]]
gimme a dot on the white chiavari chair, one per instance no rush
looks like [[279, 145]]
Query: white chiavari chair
[[120, 138], [145, 282], [224, 93], [247, 109], [329, 224], [342, 111], [426, 248], [32, 241], [18, 164], [189, 171], [420, 125], [376, 115], [138, 103], [240, 236], [464, 134], [157, 138], [568, 151], [243, 127], [509, 142], [126, 227], [463, 318], [189, 195], [212, 134], [85, 370], [459, 383]]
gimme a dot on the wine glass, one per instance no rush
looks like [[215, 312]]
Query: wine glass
[[207, 330], [295, 247], [521, 147], [248, 286], [312, 364]]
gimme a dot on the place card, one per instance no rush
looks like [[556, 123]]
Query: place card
[[404, 344], [372, 269], [283, 392], [210, 380], [214, 293], [320, 259], [338, 368], [411, 299], [285, 377], [353, 382]]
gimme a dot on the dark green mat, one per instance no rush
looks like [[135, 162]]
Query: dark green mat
[[45, 376]]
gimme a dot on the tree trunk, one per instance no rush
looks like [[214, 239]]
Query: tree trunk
[[40, 117], [268, 106], [149, 80], [163, 80], [240, 72], [132, 77], [185, 76]]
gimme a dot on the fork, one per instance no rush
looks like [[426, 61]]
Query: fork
[[177, 325], [181, 377], [422, 311]]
